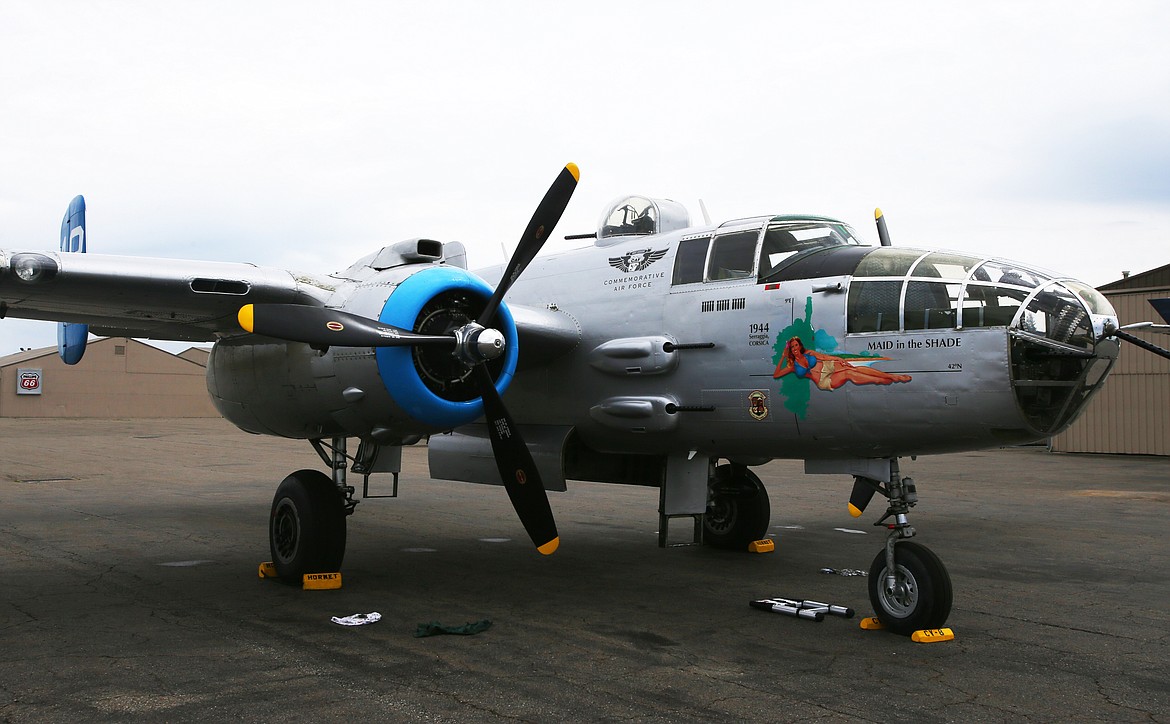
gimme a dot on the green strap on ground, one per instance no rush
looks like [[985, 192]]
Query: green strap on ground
[[434, 628]]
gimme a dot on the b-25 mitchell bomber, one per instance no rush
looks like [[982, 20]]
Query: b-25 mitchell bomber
[[664, 354]]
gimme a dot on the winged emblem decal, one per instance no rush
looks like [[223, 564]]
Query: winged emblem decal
[[636, 261]]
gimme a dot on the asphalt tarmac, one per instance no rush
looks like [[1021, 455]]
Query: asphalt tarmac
[[129, 589]]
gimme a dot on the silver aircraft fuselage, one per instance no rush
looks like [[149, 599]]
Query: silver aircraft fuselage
[[911, 351], [771, 337]]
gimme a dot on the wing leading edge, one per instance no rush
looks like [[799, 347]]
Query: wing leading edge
[[166, 299]]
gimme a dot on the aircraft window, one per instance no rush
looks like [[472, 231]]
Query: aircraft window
[[633, 216], [784, 241], [873, 306], [1058, 314], [941, 265], [1094, 300], [1000, 273], [887, 262], [690, 259], [931, 305], [990, 306], [733, 256]]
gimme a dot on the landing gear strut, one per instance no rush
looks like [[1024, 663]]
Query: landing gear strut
[[909, 587]]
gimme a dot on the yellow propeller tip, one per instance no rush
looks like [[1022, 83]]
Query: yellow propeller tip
[[551, 547], [854, 511], [245, 317], [572, 168], [877, 213]]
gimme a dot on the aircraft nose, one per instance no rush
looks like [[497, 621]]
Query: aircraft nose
[[1059, 353]]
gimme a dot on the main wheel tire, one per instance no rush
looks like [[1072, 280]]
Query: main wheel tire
[[921, 598], [306, 527], [738, 511]]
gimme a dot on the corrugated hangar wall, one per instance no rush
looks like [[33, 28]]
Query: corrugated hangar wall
[[1132, 413], [117, 378]]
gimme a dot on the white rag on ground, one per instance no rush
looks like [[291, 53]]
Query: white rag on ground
[[358, 619]]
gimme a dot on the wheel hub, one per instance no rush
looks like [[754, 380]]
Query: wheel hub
[[901, 598], [286, 531], [720, 515]]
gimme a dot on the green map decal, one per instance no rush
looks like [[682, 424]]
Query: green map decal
[[796, 390]]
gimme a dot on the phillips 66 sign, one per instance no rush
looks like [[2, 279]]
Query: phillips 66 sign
[[28, 381]]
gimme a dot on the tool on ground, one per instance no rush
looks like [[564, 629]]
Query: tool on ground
[[814, 610]]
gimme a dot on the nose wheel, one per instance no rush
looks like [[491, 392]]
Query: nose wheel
[[915, 595]]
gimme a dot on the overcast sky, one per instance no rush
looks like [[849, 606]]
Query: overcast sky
[[303, 135]]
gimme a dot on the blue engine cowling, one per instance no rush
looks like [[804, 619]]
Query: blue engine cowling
[[397, 365]]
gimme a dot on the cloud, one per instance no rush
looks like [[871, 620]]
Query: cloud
[[1125, 160]]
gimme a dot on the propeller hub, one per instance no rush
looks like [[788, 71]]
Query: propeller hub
[[490, 343], [475, 344]]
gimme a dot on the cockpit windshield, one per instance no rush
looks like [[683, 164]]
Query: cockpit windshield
[[786, 239]]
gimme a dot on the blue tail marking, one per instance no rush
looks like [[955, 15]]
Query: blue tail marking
[[71, 336]]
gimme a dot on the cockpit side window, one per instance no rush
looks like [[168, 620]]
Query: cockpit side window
[[733, 256], [690, 260]]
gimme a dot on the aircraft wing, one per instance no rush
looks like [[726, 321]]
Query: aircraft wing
[[167, 299]]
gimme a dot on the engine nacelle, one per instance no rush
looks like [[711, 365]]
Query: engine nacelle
[[390, 394]]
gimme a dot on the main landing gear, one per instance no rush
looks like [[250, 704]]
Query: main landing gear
[[737, 508], [909, 587], [306, 528]]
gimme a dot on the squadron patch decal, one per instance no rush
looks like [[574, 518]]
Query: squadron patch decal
[[758, 405], [633, 268], [636, 261]]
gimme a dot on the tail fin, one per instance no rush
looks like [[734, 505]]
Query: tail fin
[[71, 336], [1162, 307]]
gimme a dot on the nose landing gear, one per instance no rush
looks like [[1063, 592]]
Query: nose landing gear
[[909, 586]]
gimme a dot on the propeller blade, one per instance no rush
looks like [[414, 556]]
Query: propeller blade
[[883, 233], [547, 214], [517, 469], [328, 327]]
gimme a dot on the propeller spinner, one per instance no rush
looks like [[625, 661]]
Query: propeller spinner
[[473, 343]]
